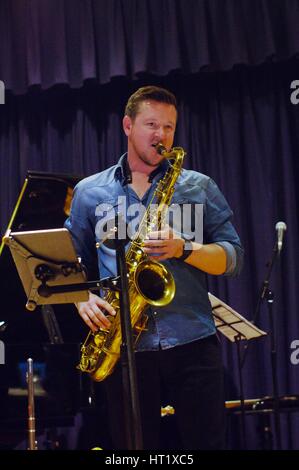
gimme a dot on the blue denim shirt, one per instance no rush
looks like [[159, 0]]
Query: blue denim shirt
[[188, 317]]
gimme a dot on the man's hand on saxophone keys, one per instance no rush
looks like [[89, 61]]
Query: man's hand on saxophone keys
[[163, 244], [94, 312]]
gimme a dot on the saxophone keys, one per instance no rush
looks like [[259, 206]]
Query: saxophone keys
[[99, 338]]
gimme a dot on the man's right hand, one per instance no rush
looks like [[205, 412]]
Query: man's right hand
[[92, 312]]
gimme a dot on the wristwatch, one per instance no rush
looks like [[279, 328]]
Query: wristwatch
[[186, 252]]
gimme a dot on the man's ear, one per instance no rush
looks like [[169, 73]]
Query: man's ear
[[127, 125]]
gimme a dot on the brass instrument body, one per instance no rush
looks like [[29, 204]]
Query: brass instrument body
[[150, 283]]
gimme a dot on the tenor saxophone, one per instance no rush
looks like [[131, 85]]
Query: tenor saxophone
[[150, 283]]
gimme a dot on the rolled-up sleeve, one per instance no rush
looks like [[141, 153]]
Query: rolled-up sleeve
[[219, 229], [234, 258]]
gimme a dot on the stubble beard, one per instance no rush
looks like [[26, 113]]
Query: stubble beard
[[148, 160]]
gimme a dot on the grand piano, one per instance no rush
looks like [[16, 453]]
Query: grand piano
[[50, 335]]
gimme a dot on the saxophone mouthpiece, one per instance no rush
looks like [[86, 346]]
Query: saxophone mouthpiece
[[160, 148]]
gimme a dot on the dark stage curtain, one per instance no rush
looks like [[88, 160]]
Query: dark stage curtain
[[46, 42], [236, 122]]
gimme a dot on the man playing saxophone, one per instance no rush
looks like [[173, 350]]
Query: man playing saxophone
[[179, 351]]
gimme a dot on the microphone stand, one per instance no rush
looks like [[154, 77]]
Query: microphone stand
[[132, 414], [270, 299], [131, 399], [243, 439], [120, 283], [265, 293]]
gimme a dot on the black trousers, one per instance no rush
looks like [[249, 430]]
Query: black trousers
[[192, 378]]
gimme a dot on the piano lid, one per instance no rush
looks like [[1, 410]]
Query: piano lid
[[44, 202]]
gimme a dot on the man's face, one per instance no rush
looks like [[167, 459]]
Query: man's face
[[155, 122]]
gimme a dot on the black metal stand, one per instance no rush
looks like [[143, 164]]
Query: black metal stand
[[131, 399], [266, 294], [238, 339], [120, 283], [270, 299], [235, 328], [45, 290]]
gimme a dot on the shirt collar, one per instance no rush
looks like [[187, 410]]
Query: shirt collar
[[124, 175]]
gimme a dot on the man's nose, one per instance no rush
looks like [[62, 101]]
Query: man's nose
[[160, 134]]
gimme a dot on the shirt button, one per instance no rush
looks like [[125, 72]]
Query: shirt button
[[155, 313]]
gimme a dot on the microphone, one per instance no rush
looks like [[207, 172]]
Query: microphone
[[280, 227]]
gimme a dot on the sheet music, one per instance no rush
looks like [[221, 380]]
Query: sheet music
[[230, 323]]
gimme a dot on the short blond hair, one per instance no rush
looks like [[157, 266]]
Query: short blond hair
[[154, 93]]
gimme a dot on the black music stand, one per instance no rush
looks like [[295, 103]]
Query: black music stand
[[44, 259], [52, 274], [236, 329]]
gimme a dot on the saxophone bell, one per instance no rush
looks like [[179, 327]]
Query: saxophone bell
[[154, 283]]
